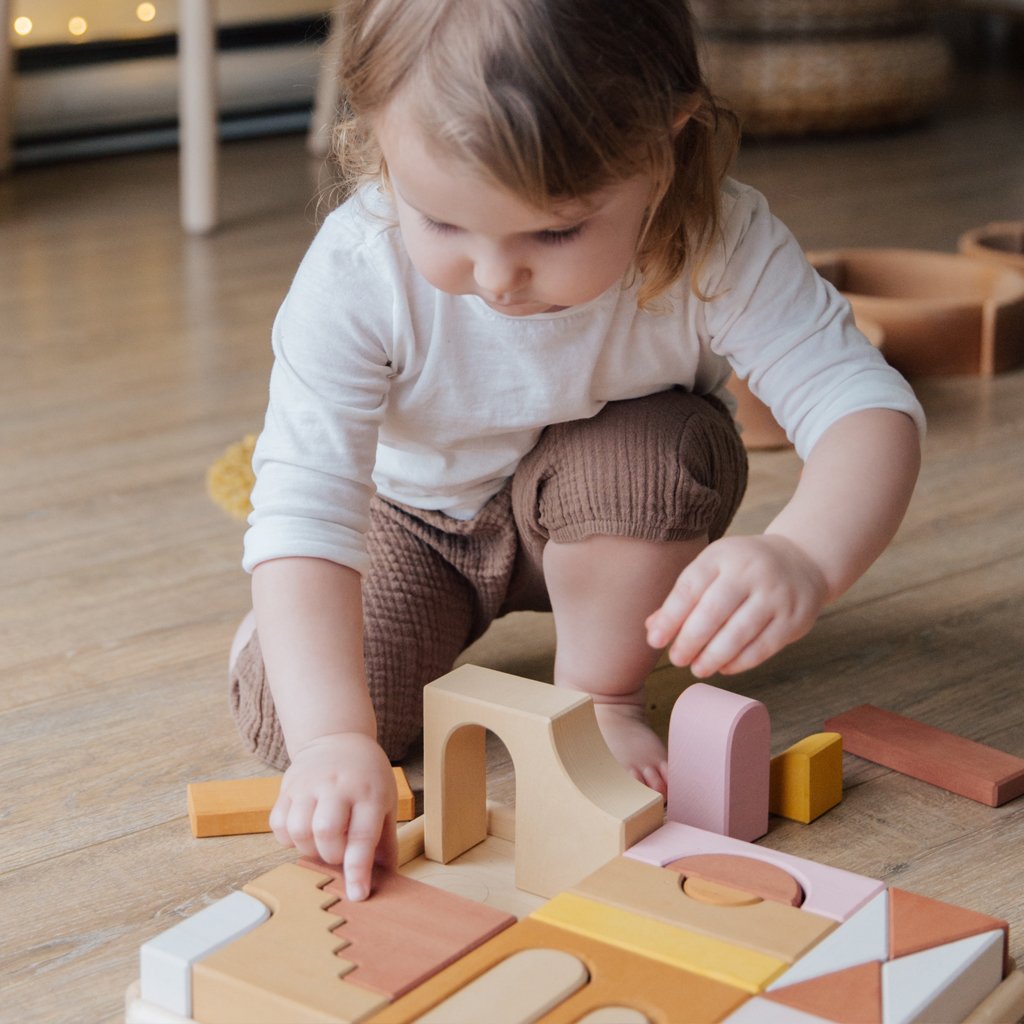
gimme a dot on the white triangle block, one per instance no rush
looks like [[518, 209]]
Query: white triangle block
[[859, 940], [764, 1011], [943, 983]]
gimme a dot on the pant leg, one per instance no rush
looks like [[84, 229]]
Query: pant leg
[[670, 466]]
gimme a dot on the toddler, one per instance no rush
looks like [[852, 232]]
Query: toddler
[[499, 384]]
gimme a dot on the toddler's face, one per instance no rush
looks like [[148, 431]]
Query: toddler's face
[[468, 237]]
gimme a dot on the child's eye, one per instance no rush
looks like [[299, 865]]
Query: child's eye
[[553, 237], [438, 226]]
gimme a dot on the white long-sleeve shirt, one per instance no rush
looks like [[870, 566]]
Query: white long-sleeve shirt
[[381, 381]]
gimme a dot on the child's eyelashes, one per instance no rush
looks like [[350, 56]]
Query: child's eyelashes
[[438, 226], [551, 236], [560, 237]]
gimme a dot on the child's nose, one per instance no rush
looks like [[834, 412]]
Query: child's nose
[[499, 273]]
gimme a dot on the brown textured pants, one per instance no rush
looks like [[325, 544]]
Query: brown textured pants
[[666, 467]]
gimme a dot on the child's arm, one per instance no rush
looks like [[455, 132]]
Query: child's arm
[[744, 598], [338, 797]]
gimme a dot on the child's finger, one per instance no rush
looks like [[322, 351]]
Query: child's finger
[[300, 826], [279, 820], [748, 622], [662, 625], [364, 832], [715, 607], [330, 823]]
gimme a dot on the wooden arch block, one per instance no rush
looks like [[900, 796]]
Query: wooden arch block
[[576, 807], [719, 751], [807, 778]]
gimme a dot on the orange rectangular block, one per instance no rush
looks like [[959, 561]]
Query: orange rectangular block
[[235, 807], [932, 755]]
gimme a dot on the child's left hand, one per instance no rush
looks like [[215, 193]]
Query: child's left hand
[[738, 603]]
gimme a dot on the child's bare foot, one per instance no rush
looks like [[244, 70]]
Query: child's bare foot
[[634, 744]]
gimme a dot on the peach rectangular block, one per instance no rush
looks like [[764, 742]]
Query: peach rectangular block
[[828, 891], [932, 755]]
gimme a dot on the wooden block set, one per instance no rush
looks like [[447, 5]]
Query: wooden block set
[[635, 920]]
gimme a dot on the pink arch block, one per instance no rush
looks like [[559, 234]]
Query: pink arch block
[[719, 758]]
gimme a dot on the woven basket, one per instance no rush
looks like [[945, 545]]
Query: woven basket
[[798, 17], [796, 87]]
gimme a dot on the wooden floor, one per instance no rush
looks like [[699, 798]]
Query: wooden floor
[[131, 357]]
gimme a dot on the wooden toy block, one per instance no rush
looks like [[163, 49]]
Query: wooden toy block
[[615, 1015], [766, 881], [234, 807], [918, 922], [520, 989], [807, 778], [406, 800], [850, 996], [568, 784], [617, 977], [712, 958], [772, 929], [944, 983], [1005, 1005], [719, 749], [286, 969], [830, 892], [410, 840], [932, 755], [763, 1011], [166, 961], [407, 930], [861, 939]]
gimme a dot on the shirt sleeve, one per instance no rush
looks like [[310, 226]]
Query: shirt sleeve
[[788, 332], [328, 390]]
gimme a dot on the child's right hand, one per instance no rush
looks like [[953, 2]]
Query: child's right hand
[[338, 802]]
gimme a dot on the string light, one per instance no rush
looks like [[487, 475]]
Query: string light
[[78, 26], [22, 26], [145, 12]]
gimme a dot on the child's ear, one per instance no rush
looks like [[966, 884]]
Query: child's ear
[[686, 112]]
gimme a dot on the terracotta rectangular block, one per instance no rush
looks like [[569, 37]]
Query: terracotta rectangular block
[[932, 755]]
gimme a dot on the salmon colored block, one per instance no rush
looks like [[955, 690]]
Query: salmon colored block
[[288, 968], [718, 762], [407, 930], [919, 922], [235, 807], [851, 996], [720, 961], [617, 978], [807, 778], [656, 894], [768, 881], [232, 807], [923, 752]]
